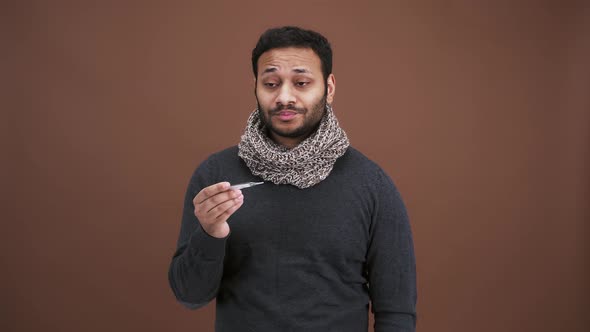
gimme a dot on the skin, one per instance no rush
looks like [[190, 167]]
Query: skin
[[214, 205], [289, 81]]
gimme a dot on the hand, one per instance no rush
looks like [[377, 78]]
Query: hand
[[214, 205]]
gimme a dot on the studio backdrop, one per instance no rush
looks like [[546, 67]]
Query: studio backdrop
[[478, 110]]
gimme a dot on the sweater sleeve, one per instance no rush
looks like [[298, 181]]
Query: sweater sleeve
[[197, 265], [390, 261]]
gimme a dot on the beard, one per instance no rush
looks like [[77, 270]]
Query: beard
[[311, 119]]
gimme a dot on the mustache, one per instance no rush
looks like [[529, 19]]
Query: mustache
[[281, 108]]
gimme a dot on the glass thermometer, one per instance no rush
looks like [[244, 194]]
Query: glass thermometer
[[245, 185]]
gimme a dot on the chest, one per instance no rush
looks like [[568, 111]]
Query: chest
[[318, 223]]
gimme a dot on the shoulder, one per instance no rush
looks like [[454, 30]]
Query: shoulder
[[355, 157], [375, 184], [366, 175], [361, 166], [210, 167], [221, 157], [228, 154]]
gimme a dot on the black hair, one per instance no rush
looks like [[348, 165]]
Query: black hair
[[291, 36]]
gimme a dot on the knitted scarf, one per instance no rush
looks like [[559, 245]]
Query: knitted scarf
[[303, 166]]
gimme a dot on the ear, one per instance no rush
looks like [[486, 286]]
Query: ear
[[331, 84]]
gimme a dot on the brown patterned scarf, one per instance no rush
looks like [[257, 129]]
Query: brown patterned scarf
[[303, 166]]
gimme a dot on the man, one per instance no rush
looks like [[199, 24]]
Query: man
[[325, 234]]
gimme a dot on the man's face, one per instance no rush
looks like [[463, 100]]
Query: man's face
[[292, 93]]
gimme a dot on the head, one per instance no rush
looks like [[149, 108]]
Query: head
[[293, 82]]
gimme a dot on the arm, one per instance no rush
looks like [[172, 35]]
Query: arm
[[196, 268], [197, 265], [391, 262]]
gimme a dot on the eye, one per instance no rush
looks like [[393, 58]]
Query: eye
[[302, 83], [271, 85]]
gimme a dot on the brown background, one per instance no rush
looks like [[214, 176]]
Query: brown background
[[479, 110]]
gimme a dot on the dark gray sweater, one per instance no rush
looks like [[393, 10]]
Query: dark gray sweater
[[301, 259]]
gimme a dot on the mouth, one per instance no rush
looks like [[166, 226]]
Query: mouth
[[285, 115]]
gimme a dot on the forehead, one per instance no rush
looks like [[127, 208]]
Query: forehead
[[287, 59]]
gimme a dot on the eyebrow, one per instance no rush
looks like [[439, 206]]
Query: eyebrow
[[297, 70], [301, 70]]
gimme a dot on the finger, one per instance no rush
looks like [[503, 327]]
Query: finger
[[221, 198], [221, 208], [212, 202], [210, 191], [202, 208], [225, 215]]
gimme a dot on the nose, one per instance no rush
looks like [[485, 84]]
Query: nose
[[285, 96]]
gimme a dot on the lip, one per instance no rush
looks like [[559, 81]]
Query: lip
[[286, 115]]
